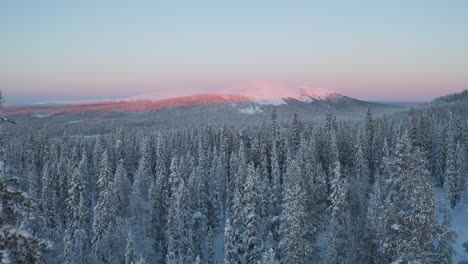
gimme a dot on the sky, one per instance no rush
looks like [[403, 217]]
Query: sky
[[372, 50]]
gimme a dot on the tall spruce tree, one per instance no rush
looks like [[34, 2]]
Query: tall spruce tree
[[252, 233], [407, 228], [297, 232]]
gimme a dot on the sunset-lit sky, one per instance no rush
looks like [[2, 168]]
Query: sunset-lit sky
[[373, 50]]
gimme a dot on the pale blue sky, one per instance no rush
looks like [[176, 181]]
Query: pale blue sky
[[374, 50]]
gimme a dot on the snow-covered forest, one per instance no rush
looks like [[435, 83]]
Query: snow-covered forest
[[383, 189]]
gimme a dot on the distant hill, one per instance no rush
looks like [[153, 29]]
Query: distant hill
[[455, 97], [248, 98]]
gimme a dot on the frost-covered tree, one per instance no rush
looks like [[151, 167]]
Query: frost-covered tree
[[269, 257], [179, 223], [452, 182], [197, 260], [104, 214], [185, 225], [358, 182], [407, 228], [122, 188], [296, 231], [131, 254], [440, 159], [17, 243], [231, 254], [275, 194], [139, 198], [49, 197], [251, 238], [338, 244], [144, 173], [78, 235], [235, 230], [296, 128], [158, 207]]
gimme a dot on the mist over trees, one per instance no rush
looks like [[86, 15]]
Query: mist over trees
[[334, 192]]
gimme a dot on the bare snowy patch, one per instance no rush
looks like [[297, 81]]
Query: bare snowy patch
[[251, 110]]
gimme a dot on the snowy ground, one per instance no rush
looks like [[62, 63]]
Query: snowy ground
[[459, 223], [219, 246]]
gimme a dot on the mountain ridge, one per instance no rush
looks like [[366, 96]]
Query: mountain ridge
[[253, 95]]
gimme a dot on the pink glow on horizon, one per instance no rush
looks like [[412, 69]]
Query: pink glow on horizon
[[377, 89], [268, 90]]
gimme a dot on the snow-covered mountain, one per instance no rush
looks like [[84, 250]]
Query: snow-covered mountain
[[267, 90], [261, 91], [246, 98]]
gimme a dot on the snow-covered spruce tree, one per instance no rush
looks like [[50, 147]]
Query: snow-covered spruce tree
[[231, 254], [269, 257], [139, 205], [231, 184], [205, 191], [237, 229], [296, 131], [105, 211], [34, 184], [296, 231], [98, 151], [332, 152], [279, 140], [339, 242], [216, 180], [369, 252], [158, 207], [224, 157], [320, 194], [197, 260], [144, 173], [49, 204], [452, 182], [252, 233], [17, 244], [413, 129], [370, 139], [255, 151], [307, 162], [264, 201], [440, 158], [122, 188], [408, 230], [173, 232], [64, 171], [131, 254], [78, 236], [424, 136], [49, 196], [99, 148], [358, 200], [184, 224], [361, 169], [275, 194]]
